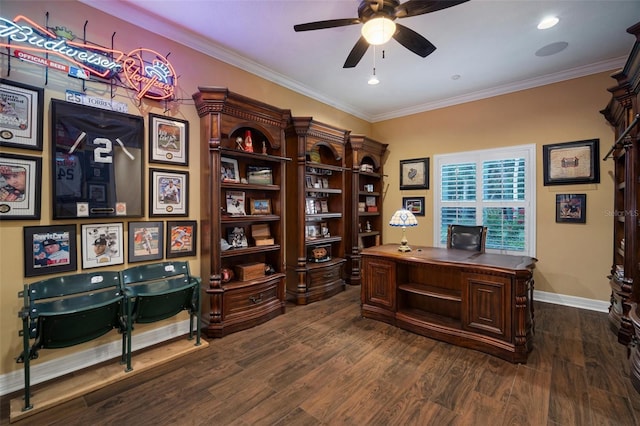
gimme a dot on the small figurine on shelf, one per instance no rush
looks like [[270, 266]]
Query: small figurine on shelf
[[239, 143], [264, 147], [248, 143], [368, 228]]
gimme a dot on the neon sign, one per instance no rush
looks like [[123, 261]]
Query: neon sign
[[147, 71]]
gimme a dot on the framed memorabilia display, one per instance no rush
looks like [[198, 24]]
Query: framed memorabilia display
[[169, 140], [260, 206], [168, 193], [102, 245], [237, 237], [93, 147], [318, 254], [181, 238], [414, 204], [260, 175], [229, 170], [49, 249], [21, 115], [146, 241], [414, 174], [20, 186], [571, 208], [235, 203], [571, 162]]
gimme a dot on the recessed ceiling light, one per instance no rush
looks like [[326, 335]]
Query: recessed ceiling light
[[455, 77], [548, 22]]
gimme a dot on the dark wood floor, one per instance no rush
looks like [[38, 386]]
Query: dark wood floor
[[324, 364]]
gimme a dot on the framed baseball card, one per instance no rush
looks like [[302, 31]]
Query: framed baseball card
[[49, 249], [21, 115], [20, 183], [146, 241], [97, 162], [169, 193], [102, 245], [181, 238], [169, 140]]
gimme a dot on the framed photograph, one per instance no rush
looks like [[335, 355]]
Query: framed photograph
[[260, 175], [235, 203], [102, 245], [260, 206], [49, 249], [237, 237], [571, 208], [20, 186], [313, 231], [169, 140], [169, 193], [414, 204], [571, 162], [90, 147], [181, 238], [229, 170], [146, 241], [21, 115], [414, 174]]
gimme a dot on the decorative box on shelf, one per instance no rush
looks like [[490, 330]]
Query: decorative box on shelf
[[262, 235], [250, 271]]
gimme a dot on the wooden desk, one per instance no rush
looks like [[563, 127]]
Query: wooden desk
[[475, 300]]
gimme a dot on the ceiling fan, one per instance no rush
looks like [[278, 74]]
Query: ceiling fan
[[383, 13]]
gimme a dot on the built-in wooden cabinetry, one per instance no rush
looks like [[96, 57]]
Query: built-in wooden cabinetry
[[623, 112], [317, 236], [365, 156], [242, 199]]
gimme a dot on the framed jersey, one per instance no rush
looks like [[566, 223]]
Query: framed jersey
[[98, 162]]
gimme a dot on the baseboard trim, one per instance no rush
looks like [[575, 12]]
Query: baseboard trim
[[573, 301]]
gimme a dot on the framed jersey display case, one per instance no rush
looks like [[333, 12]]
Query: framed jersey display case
[[98, 162]]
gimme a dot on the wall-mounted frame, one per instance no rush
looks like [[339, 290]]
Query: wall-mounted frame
[[169, 140], [571, 162], [414, 204], [169, 193], [102, 244], [260, 206], [93, 147], [49, 249], [146, 241], [181, 238], [20, 186], [229, 170], [571, 208], [21, 115], [414, 173]]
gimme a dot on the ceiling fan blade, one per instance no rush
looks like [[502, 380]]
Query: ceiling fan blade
[[413, 41], [331, 23], [357, 53], [418, 7]]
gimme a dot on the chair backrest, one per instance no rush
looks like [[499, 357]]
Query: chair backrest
[[69, 310], [464, 237]]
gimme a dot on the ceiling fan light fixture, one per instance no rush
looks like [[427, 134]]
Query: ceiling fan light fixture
[[373, 80], [378, 31]]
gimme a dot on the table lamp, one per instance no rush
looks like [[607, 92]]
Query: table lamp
[[404, 218]]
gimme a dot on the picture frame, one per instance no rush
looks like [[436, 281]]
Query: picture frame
[[414, 173], [169, 193], [571, 208], [182, 237], [20, 186], [260, 206], [319, 253], [569, 163], [21, 115], [229, 170], [259, 175], [237, 237], [146, 241], [414, 204], [93, 146], [49, 249], [236, 203], [169, 140], [102, 244]]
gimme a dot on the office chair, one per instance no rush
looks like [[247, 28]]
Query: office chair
[[463, 237]]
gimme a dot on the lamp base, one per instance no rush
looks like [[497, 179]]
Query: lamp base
[[404, 248]]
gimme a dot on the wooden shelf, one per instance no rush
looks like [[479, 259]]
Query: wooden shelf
[[430, 291]]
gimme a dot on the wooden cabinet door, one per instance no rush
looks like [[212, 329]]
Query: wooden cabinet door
[[380, 278], [486, 306]]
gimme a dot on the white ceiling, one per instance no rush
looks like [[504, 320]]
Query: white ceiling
[[490, 44]]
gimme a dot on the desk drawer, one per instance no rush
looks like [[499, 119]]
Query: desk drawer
[[240, 301]]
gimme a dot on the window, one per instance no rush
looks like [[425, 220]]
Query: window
[[494, 188]]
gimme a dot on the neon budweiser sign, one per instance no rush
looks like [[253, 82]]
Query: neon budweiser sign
[[152, 78]]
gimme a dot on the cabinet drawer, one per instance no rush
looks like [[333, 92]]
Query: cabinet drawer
[[238, 301], [322, 276]]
